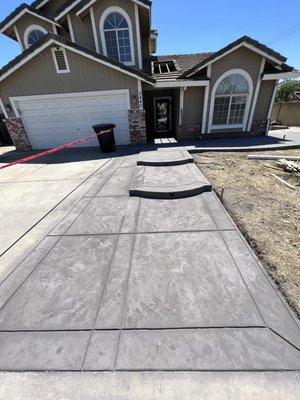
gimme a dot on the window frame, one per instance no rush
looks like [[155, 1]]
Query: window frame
[[30, 29], [121, 11], [59, 71], [242, 125]]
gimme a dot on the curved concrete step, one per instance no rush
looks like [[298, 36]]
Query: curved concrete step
[[170, 182], [170, 192], [167, 158]]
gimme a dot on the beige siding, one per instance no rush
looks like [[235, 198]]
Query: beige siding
[[27, 20], [241, 58], [127, 6], [39, 77], [83, 31], [193, 105], [264, 100]]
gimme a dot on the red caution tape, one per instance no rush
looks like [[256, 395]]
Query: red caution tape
[[52, 151]]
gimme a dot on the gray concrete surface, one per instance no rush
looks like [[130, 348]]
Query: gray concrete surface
[[151, 386], [126, 284], [29, 191]]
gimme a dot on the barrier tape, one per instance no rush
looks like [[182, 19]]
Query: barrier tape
[[54, 150]]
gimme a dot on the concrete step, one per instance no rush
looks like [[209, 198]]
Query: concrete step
[[159, 158], [172, 182]]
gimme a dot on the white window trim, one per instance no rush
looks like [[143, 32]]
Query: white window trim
[[138, 34], [121, 11], [66, 71], [205, 106], [71, 30], [257, 89], [95, 34], [16, 30], [248, 103], [31, 28]]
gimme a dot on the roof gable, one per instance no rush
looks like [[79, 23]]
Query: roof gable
[[51, 39], [246, 41], [19, 12]]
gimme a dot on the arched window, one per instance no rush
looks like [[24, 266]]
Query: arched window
[[116, 33], [231, 99], [33, 34]]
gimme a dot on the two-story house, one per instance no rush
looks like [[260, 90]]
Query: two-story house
[[84, 62]]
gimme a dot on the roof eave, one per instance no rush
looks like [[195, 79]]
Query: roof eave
[[243, 41], [50, 39], [24, 10]]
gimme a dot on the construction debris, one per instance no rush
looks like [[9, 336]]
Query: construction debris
[[288, 166], [284, 182], [269, 157]]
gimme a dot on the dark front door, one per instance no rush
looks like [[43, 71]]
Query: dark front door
[[163, 115]]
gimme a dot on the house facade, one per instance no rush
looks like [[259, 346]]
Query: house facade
[[85, 62]]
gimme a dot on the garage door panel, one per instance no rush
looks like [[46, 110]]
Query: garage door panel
[[56, 121]]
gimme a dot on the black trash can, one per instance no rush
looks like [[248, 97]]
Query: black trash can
[[107, 139]]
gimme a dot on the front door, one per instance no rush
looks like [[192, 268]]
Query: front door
[[163, 115]]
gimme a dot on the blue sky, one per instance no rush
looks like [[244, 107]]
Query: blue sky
[[191, 26]]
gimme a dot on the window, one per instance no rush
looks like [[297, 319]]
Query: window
[[33, 34], [116, 32], [164, 67], [231, 100], [60, 60]]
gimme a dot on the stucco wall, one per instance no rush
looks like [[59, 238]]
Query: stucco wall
[[287, 113], [39, 76], [264, 100], [241, 58]]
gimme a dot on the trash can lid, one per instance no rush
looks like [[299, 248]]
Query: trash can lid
[[104, 127]]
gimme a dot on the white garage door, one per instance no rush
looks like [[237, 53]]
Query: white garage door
[[58, 119]]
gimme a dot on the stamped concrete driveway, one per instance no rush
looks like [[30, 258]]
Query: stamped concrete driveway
[[30, 191], [135, 285]]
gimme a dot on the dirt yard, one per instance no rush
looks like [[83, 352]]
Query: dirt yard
[[266, 211]]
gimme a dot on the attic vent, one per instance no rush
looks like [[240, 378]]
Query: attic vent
[[164, 67], [60, 60]]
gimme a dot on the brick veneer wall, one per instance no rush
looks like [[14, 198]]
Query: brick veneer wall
[[137, 126], [18, 134], [259, 126], [185, 132]]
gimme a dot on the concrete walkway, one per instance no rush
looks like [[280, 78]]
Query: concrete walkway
[[132, 284], [275, 140]]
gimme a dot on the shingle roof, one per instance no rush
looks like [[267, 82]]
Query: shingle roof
[[19, 9], [184, 62], [83, 3], [63, 41], [246, 39]]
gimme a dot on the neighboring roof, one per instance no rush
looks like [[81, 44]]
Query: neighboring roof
[[21, 10], [244, 39], [184, 62], [48, 39]]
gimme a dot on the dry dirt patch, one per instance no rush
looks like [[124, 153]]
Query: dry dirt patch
[[266, 211]]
